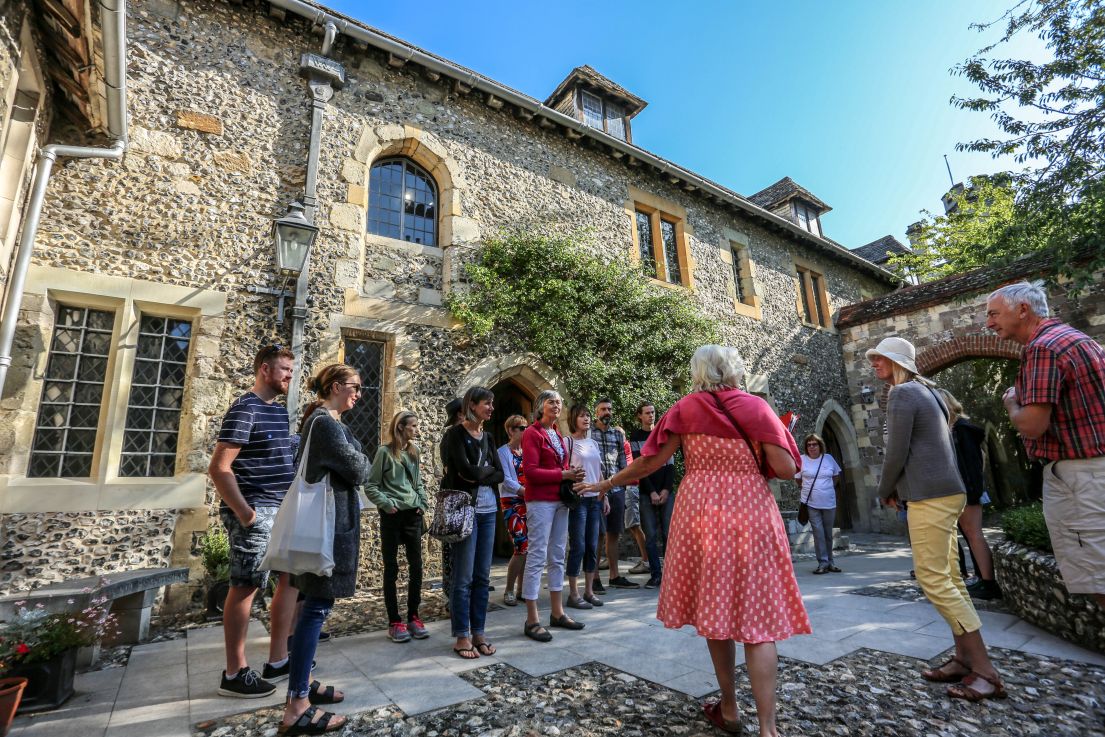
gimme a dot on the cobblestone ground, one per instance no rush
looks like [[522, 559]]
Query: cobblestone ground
[[866, 694]]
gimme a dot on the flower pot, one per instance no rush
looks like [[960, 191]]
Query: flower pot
[[11, 690], [216, 596], [49, 682]]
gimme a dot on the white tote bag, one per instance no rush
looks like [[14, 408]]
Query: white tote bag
[[302, 539]]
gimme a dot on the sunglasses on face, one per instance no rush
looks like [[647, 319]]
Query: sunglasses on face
[[519, 427], [357, 388]]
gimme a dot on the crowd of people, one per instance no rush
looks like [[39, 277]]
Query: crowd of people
[[717, 550]]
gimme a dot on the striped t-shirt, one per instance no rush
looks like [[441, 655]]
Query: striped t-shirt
[[263, 468]]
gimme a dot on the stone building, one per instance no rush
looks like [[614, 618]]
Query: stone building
[[151, 282]]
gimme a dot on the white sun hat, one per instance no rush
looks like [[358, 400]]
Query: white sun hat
[[898, 350]]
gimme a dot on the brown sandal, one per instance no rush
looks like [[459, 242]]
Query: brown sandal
[[967, 693], [938, 675], [713, 714]]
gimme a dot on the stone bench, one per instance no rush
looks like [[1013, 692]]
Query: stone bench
[[131, 595]]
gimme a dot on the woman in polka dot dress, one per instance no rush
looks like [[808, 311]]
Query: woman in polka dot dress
[[728, 571]]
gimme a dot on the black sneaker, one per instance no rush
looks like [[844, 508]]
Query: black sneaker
[[248, 684], [653, 583], [272, 674], [621, 582], [987, 591], [597, 587]]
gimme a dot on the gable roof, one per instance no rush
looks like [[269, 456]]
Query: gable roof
[[880, 251], [783, 190], [587, 76]]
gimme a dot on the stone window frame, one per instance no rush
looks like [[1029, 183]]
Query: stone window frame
[[105, 490], [805, 272], [736, 252], [388, 383], [660, 209], [18, 140], [410, 163]]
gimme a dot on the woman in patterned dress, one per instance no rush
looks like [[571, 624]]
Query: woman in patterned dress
[[728, 571]]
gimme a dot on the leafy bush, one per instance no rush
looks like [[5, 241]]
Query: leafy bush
[[598, 321], [1026, 526], [215, 551]]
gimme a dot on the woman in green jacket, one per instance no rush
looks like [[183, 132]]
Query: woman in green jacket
[[395, 487]]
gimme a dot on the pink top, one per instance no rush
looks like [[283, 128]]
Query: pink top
[[698, 413]]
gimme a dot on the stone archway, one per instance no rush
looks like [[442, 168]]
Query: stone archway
[[833, 422], [529, 372]]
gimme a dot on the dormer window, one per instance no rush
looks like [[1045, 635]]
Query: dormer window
[[806, 217], [602, 115], [598, 102]]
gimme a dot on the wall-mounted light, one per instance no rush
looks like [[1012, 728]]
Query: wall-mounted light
[[293, 235], [867, 394]]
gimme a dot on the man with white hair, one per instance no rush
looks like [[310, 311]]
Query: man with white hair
[[1058, 407]]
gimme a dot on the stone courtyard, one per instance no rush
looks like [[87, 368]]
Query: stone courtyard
[[624, 674]]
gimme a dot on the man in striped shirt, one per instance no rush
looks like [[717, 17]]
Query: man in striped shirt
[[1058, 407], [252, 469]]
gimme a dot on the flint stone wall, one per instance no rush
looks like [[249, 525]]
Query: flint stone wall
[[219, 133], [1033, 588]]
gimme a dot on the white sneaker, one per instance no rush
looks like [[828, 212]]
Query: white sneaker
[[641, 567]]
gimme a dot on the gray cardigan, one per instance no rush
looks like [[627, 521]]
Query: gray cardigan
[[919, 462], [334, 450]]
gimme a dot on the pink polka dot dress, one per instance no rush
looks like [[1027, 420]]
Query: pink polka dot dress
[[727, 571]]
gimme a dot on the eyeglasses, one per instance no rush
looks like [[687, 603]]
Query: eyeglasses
[[357, 388], [519, 427]]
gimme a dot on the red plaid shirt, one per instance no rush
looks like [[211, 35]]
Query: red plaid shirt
[[1065, 368]]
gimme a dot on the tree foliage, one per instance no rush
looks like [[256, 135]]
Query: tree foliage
[[599, 323], [1052, 115]]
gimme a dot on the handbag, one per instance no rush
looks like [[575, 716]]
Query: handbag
[[454, 515], [803, 510], [569, 497], [302, 538]]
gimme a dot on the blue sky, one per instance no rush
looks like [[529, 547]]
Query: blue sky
[[848, 98]]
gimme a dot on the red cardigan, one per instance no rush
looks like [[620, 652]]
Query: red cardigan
[[543, 466]]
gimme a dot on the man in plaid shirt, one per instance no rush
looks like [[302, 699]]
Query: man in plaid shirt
[[1058, 407]]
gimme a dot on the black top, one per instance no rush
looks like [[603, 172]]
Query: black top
[[969, 439], [469, 463], [662, 478]]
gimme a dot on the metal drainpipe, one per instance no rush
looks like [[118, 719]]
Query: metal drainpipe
[[113, 23], [321, 90]]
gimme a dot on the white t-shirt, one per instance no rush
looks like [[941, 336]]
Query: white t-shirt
[[585, 455], [824, 493]]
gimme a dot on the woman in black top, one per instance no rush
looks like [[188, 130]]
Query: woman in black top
[[472, 465]]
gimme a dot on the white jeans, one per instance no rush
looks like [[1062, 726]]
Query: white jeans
[[547, 527]]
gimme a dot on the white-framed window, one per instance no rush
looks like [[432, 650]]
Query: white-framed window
[[602, 115], [807, 217]]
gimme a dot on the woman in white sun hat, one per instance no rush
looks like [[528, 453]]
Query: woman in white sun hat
[[919, 469]]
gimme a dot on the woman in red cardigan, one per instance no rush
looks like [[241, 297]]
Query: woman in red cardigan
[[546, 466]]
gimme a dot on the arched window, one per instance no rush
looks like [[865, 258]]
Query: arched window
[[402, 202]]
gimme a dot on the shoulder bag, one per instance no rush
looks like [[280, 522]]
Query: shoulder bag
[[803, 510], [569, 497], [761, 459], [454, 514]]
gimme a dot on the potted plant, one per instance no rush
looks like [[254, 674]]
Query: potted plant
[[41, 646], [11, 690], [215, 552]]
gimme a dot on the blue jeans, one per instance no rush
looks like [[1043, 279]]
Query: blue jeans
[[655, 522], [821, 522], [471, 576], [304, 643], [583, 536]]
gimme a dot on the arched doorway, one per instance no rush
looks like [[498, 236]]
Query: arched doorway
[[511, 398], [839, 435]]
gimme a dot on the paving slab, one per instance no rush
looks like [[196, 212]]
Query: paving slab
[[899, 642], [424, 689]]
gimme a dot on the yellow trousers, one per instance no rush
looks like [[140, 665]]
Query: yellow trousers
[[932, 535]]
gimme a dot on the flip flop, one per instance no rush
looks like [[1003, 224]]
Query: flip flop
[[468, 653], [485, 648], [713, 714]]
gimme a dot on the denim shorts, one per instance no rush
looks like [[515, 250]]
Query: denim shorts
[[248, 545]]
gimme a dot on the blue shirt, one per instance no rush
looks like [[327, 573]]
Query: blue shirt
[[263, 468]]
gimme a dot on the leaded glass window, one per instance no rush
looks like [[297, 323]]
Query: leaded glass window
[[671, 252], [592, 110], [615, 120], [72, 394], [644, 242], [738, 272], [402, 202], [156, 396], [367, 356]]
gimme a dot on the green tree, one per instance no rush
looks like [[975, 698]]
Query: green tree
[[1052, 115], [598, 322]]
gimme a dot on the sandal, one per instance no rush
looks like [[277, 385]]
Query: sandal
[[307, 724], [485, 648], [713, 714], [566, 622], [536, 632], [319, 695], [939, 675], [468, 653], [966, 692]]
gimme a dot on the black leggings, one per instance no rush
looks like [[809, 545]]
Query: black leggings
[[402, 528]]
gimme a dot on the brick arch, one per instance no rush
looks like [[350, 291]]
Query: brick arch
[[949, 352]]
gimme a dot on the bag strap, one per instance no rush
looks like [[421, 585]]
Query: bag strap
[[815, 475], [760, 462], [304, 450]]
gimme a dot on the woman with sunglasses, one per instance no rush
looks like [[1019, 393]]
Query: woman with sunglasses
[[328, 449], [513, 504]]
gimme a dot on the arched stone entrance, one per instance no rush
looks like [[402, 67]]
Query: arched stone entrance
[[834, 426]]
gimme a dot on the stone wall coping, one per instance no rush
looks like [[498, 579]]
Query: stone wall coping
[[56, 596]]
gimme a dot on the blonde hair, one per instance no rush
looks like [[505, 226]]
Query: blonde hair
[[398, 422], [955, 408], [715, 367]]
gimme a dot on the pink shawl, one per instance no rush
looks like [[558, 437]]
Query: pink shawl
[[698, 413]]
